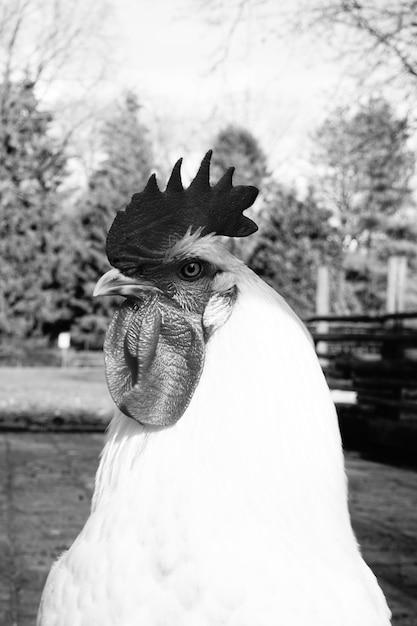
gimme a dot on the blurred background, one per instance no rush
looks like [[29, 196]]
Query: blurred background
[[314, 102]]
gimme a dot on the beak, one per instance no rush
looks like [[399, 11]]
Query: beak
[[114, 283]]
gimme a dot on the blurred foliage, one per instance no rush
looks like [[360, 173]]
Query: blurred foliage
[[365, 171], [124, 170], [235, 146], [297, 237], [367, 167], [358, 214], [34, 251]]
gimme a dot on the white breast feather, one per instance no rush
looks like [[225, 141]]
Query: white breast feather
[[237, 515]]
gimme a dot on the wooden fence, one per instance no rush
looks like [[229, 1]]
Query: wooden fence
[[375, 357]]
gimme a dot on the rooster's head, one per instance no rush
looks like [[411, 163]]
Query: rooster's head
[[180, 284]]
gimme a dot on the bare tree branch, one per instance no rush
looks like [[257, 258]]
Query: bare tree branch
[[41, 38], [384, 35]]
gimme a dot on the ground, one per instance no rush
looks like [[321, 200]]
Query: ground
[[45, 490]]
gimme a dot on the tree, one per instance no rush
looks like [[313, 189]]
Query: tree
[[40, 39], [55, 46], [32, 244], [236, 147], [297, 237], [124, 170], [382, 32], [366, 167]]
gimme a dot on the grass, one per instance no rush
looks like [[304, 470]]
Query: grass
[[54, 398]]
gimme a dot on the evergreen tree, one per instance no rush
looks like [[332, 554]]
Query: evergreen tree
[[33, 249], [296, 238], [124, 171], [237, 147]]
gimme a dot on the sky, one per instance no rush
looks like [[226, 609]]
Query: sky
[[194, 74]]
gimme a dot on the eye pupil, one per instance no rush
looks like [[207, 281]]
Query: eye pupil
[[191, 270]]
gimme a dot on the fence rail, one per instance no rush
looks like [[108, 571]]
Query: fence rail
[[375, 356]]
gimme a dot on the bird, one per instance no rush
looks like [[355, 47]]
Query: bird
[[221, 496]]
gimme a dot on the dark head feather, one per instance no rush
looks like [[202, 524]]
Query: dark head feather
[[155, 220]]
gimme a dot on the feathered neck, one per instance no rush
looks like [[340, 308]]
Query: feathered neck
[[261, 418]]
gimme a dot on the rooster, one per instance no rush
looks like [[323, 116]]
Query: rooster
[[221, 495]]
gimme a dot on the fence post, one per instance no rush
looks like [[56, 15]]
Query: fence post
[[322, 303], [397, 274], [64, 342]]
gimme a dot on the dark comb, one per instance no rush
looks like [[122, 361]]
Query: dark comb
[[155, 220]]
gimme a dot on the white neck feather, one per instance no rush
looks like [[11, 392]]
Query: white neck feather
[[261, 419]]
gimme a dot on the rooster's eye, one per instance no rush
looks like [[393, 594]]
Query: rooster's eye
[[191, 270]]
